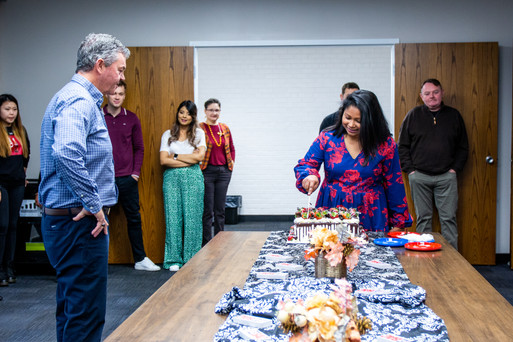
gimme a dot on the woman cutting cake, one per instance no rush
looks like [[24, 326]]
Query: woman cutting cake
[[361, 166]]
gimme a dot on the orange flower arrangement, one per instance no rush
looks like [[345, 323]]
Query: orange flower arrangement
[[327, 242], [318, 318]]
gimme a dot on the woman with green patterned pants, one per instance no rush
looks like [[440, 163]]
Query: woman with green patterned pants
[[182, 148]]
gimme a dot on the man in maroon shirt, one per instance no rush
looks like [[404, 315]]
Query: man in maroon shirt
[[128, 150]]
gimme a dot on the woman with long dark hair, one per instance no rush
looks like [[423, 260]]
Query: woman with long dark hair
[[182, 148], [361, 166], [14, 157]]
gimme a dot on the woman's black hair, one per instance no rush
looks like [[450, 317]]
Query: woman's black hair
[[8, 97], [373, 126], [191, 130], [17, 128]]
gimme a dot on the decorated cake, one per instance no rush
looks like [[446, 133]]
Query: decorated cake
[[338, 219]]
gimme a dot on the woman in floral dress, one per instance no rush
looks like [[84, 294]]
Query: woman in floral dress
[[361, 166]]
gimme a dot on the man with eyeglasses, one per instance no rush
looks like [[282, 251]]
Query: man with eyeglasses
[[433, 149]]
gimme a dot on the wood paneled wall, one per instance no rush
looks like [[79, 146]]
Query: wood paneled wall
[[158, 79], [469, 75]]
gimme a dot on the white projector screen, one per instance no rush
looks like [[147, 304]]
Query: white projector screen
[[274, 98]]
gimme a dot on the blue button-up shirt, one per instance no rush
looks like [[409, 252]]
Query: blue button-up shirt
[[77, 167]]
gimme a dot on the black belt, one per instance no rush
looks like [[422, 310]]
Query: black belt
[[69, 211]]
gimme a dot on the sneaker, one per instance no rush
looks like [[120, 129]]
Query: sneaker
[[174, 268], [146, 265]]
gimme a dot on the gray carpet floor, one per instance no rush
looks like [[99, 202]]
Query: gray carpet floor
[[27, 311]]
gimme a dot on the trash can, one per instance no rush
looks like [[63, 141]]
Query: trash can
[[233, 203]]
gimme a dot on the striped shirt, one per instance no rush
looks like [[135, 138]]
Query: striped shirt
[[77, 167]]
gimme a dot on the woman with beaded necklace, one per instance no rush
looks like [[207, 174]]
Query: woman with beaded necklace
[[217, 166], [182, 148], [14, 157]]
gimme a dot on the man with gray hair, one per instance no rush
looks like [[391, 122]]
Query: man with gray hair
[[77, 187]]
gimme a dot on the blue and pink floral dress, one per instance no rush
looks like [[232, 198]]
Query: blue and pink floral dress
[[375, 190]]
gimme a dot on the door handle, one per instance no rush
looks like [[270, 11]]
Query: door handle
[[489, 160]]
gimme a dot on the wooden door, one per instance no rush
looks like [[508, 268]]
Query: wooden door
[[158, 79], [468, 73]]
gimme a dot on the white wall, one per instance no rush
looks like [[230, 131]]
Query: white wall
[[39, 39]]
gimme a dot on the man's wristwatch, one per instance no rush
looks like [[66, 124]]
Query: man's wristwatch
[[175, 157]]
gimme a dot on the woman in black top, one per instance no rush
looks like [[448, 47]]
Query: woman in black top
[[14, 157]]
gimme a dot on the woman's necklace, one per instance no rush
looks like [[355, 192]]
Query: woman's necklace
[[220, 135]]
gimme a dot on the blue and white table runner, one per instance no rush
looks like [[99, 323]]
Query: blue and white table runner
[[395, 307]]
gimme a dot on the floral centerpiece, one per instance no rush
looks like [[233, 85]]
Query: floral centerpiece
[[337, 248], [324, 318]]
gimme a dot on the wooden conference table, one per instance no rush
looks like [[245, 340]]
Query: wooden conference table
[[183, 308]]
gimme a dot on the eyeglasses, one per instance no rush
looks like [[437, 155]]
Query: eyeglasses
[[214, 110]]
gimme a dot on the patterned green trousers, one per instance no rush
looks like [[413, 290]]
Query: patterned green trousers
[[183, 205]]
